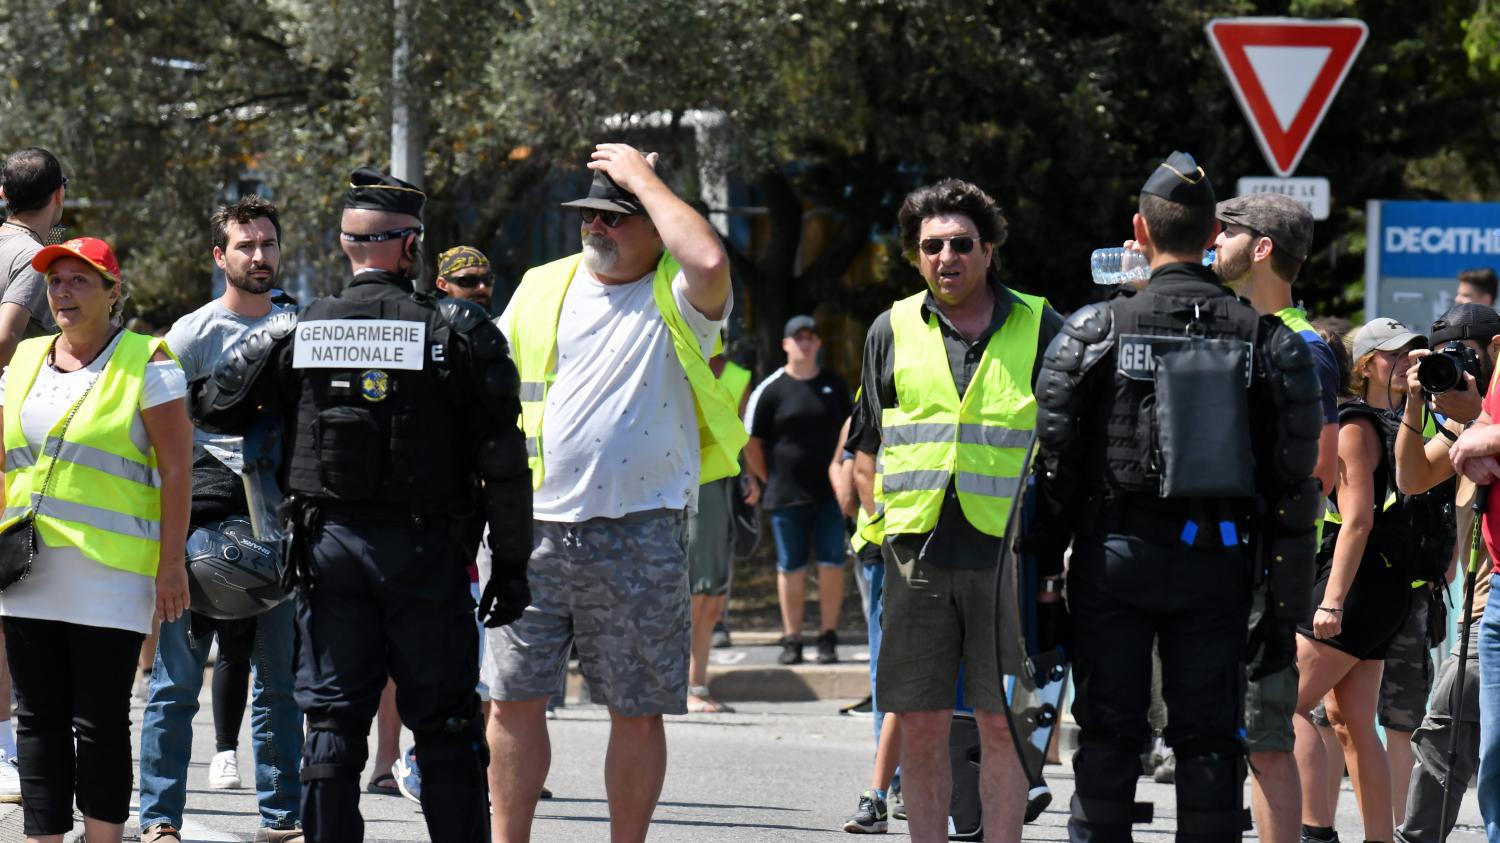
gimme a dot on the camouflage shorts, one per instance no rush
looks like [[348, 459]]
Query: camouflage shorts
[[618, 589], [1407, 680]]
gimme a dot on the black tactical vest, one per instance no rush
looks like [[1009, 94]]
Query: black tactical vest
[[380, 435], [1179, 295]]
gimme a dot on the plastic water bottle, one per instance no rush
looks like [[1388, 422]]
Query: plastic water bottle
[[1119, 266], [1126, 266]]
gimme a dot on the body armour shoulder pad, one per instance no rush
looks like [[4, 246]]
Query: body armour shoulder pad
[[473, 323], [1086, 337], [1291, 386], [236, 379]]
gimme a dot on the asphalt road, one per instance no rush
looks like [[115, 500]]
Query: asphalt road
[[769, 772]]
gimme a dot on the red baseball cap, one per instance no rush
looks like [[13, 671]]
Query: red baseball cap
[[90, 250]]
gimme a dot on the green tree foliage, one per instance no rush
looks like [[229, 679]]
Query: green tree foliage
[[833, 109]]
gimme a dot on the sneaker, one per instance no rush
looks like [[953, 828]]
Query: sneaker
[[1311, 838], [791, 650], [278, 835], [870, 818], [546, 792], [1166, 769], [161, 833], [408, 777], [828, 647], [224, 770], [10, 780], [720, 638], [897, 804]]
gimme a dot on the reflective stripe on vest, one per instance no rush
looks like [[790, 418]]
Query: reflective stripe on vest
[[105, 493], [932, 437], [533, 342]]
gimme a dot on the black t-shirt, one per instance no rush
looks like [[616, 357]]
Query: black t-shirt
[[799, 422]]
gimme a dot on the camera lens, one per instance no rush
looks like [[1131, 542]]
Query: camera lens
[[1439, 372]]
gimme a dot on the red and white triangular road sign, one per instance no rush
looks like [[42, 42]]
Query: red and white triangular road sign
[[1284, 72]]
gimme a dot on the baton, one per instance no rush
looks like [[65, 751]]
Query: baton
[[1476, 537]]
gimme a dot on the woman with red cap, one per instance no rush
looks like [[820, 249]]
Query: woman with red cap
[[97, 460]]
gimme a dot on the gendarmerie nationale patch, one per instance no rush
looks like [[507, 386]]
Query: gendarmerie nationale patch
[[356, 343], [1136, 354], [374, 385]]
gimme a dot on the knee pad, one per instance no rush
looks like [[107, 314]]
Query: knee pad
[[335, 748], [456, 753]]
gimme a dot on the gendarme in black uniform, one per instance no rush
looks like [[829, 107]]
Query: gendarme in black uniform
[[384, 515], [1166, 418]]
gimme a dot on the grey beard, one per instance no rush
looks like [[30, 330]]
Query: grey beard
[[600, 254]]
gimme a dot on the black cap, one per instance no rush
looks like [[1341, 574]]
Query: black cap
[[373, 190], [605, 195], [1467, 321], [800, 323], [1179, 179]]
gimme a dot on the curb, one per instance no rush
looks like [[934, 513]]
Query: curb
[[800, 683]]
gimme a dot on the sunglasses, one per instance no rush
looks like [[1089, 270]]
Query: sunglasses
[[469, 282], [611, 219], [382, 236], [934, 245]]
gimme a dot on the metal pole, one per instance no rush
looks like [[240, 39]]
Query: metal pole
[[406, 119], [1481, 500]]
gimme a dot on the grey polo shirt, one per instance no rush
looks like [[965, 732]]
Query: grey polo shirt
[[21, 284], [954, 542]]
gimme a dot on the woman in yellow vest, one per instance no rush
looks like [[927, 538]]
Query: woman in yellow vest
[[98, 449]]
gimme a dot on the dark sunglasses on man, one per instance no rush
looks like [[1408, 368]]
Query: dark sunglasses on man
[[469, 282], [611, 219], [934, 245]]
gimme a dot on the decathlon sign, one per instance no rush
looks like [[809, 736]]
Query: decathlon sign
[[1417, 249]]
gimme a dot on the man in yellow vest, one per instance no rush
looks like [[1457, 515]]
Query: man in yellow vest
[[946, 403], [623, 420]]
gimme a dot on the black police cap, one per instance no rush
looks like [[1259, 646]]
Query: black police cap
[[373, 190], [1179, 179]]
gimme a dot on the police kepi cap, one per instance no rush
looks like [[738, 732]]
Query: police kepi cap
[[1286, 221], [1179, 179], [373, 190], [800, 323], [605, 195], [90, 250], [1467, 321], [1384, 335]]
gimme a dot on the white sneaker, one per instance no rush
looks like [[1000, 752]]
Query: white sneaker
[[224, 770], [10, 779]]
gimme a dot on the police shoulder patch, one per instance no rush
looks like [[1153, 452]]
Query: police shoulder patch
[[374, 385]]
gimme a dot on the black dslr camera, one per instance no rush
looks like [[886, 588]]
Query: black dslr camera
[[1444, 368]]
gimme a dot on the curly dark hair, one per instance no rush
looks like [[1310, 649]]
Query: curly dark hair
[[244, 210], [950, 197]]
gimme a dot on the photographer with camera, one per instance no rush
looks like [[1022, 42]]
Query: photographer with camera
[[1468, 337]]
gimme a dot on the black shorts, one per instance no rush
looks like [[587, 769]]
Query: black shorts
[[1374, 611]]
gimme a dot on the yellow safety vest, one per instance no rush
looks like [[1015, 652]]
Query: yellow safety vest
[[931, 437], [736, 379], [105, 494], [533, 343], [868, 529]]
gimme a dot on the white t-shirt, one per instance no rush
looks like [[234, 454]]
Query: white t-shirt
[[619, 434], [65, 585]]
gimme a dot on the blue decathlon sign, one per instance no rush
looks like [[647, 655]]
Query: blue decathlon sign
[[1417, 249]]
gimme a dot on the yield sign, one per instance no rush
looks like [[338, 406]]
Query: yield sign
[[1284, 72]]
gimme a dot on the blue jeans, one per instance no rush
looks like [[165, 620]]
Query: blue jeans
[[1489, 716], [874, 574], [275, 721], [819, 525]]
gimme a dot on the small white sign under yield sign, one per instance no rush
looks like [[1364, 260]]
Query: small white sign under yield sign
[[1284, 72]]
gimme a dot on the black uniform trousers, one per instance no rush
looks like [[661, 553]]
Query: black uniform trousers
[[1123, 593], [389, 597]]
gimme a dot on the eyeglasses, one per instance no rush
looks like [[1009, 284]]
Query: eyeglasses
[[469, 282], [934, 245], [64, 182], [382, 236], [611, 219]]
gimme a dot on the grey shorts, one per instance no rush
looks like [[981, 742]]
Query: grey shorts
[[1407, 680], [711, 539], [1270, 701], [618, 589]]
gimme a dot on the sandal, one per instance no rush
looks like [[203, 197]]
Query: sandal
[[700, 701], [384, 783]]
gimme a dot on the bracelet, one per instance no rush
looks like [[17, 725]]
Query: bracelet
[[1330, 610]]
